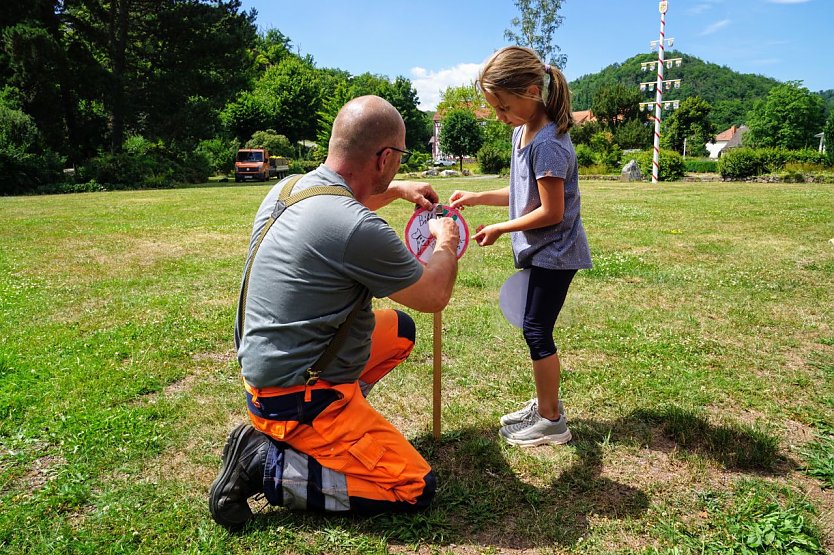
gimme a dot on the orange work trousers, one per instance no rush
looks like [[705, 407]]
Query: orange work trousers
[[331, 449]]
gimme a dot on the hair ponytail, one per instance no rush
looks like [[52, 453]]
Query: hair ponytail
[[556, 95]]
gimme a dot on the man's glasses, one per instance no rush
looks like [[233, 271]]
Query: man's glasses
[[406, 154]]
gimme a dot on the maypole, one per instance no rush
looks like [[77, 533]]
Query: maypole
[[659, 96], [659, 85]]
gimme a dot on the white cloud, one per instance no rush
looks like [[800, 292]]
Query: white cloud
[[703, 7], [429, 84], [715, 27]]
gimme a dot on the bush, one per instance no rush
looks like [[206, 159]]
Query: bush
[[807, 156], [584, 155], [671, 164], [494, 158], [634, 134], [418, 162], [739, 163], [606, 152], [303, 166], [581, 134], [771, 159], [25, 172], [695, 165], [219, 154], [146, 164], [23, 164], [276, 144]]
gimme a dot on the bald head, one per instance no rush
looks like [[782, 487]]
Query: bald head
[[363, 126]]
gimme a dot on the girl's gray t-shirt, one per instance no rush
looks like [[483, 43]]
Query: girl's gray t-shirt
[[563, 246]]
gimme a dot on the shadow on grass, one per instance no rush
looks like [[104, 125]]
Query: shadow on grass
[[481, 501]]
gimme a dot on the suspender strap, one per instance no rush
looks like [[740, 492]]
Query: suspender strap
[[285, 200]]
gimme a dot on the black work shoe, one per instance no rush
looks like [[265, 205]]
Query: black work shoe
[[241, 477]]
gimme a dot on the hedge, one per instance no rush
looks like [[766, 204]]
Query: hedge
[[671, 164], [739, 163], [695, 165]]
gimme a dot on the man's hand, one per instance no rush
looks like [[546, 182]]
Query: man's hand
[[417, 192], [433, 290], [446, 234]]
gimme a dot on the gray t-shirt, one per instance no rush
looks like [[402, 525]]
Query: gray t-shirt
[[563, 246], [320, 257]]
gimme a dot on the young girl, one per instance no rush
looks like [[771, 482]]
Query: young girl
[[544, 225]]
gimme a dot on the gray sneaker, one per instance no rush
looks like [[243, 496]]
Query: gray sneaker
[[530, 407], [537, 430]]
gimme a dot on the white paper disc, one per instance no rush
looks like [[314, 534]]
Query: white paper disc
[[513, 297]]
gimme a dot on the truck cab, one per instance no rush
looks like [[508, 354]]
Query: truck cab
[[252, 164]]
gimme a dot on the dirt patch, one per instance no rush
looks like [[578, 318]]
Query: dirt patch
[[41, 471]]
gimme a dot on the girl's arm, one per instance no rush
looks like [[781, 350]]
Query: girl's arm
[[551, 212], [496, 197]]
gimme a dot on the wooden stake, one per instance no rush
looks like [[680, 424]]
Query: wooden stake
[[438, 330]]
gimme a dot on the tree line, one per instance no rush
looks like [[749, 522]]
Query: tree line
[[153, 92]]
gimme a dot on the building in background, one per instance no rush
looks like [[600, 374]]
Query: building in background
[[731, 138]]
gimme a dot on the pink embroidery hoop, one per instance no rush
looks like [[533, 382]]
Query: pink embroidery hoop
[[419, 241]]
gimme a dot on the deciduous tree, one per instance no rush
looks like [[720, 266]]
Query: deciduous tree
[[535, 26], [788, 118], [615, 104], [691, 123], [461, 134], [467, 97]]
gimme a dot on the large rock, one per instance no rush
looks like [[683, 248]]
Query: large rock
[[631, 172]]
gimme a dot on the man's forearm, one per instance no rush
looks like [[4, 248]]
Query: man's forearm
[[375, 202]]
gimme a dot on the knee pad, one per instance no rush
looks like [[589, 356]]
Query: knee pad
[[406, 328]]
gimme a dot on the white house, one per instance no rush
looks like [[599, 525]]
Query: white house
[[726, 139]]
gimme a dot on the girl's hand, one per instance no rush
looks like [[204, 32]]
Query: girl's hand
[[487, 235], [461, 199]]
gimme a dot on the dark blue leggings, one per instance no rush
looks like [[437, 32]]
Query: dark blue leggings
[[546, 292]]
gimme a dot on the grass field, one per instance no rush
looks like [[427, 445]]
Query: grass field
[[699, 389]]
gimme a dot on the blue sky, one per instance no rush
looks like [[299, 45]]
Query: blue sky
[[441, 43]]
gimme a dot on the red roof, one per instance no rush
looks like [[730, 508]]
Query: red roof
[[583, 116], [726, 135]]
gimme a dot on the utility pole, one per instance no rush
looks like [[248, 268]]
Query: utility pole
[[658, 85]]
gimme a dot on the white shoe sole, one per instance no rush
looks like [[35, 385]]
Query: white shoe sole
[[514, 418], [555, 439]]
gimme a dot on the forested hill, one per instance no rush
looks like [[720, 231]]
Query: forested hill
[[730, 93]]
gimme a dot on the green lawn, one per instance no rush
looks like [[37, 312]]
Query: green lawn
[[700, 388]]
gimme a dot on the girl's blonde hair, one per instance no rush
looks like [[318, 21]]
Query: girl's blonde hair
[[514, 69]]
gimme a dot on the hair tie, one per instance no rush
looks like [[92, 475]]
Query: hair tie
[[546, 85]]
